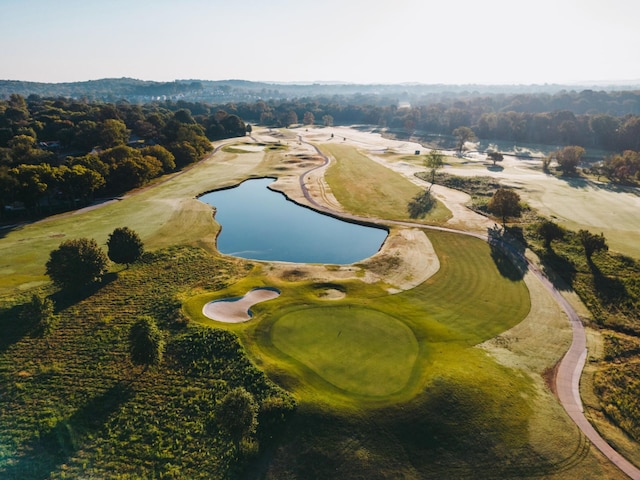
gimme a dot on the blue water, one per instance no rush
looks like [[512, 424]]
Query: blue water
[[261, 224]]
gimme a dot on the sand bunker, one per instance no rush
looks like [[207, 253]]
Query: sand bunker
[[237, 310]]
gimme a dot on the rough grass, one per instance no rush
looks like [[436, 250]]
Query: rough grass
[[74, 407], [610, 288], [366, 188]]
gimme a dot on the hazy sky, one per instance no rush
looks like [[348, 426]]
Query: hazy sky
[[449, 41]]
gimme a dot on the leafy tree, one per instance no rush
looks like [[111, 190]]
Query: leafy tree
[[495, 157], [434, 162], [124, 246], [234, 126], [463, 135], [8, 188], [505, 203], [569, 158], [165, 157], [79, 181], [592, 243], [32, 183], [622, 167], [290, 118], [40, 310], [327, 120], [308, 118], [237, 415], [112, 133], [146, 345], [184, 153], [76, 263], [549, 231]]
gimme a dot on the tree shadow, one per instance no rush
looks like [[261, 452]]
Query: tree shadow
[[610, 290], [47, 450], [7, 229], [13, 326], [559, 270], [67, 297], [495, 168], [507, 251]]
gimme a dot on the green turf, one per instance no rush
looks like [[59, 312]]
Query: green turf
[[357, 349], [367, 188]]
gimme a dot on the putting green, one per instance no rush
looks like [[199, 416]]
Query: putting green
[[356, 349]]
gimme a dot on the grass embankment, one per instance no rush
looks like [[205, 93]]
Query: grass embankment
[[366, 188], [74, 407]]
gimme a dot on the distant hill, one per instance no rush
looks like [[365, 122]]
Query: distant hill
[[223, 91]]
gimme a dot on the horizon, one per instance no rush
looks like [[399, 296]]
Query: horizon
[[564, 42]]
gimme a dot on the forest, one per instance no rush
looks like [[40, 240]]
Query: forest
[[57, 154]]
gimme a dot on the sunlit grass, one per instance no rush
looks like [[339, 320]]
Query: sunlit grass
[[367, 188]]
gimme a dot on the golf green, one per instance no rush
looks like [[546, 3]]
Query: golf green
[[359, 350]]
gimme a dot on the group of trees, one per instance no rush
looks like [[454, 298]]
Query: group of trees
[[519, 119], [80, 262], [59, 152]]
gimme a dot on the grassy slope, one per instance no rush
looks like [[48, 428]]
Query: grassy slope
[[365, 187]]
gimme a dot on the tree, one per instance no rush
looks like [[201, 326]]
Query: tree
[[463, 135], [40, 310], [549, 231], [124, 246], [112, 133], [434, 161], [77, 263], [79, 181], [327, 120], [146, 345], [308, 118], [165, 157], [592, 243], [237, 415], [234, 126], [505, 203], [495, 157], [568, 158]]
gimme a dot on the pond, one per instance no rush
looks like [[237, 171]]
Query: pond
[[260, 224]]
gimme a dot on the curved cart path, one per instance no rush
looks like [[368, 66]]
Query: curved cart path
[[570, 368]]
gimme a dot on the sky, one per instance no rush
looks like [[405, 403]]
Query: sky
[[353, 41]]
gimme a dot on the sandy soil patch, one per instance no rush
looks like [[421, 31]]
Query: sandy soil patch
[[331, 294], [237, 310]]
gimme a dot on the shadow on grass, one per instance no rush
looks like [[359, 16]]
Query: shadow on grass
[[507, 251], [66, 298], [47, 450], [13, 326], [560, 271], [579, 182], [610, 290]]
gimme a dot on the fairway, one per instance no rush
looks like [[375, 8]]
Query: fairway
[[358, 350]]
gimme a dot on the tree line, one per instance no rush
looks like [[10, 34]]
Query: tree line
[[61, 153], [484, 115]]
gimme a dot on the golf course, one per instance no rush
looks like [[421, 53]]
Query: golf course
[[436, 357]]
